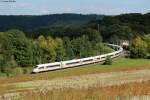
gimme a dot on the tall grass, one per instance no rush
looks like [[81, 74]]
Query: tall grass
[[125, 91]]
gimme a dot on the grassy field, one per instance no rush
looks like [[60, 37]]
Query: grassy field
[[98, 79]]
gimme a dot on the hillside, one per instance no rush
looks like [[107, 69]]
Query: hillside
[[124, 26], [28, 22]]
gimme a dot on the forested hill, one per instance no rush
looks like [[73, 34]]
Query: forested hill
[[28, 22], [125, 26]]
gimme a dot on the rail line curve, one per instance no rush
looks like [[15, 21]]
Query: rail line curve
[[79, 62]]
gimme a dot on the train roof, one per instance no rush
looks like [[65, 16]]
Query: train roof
[[71, 60], [48, 64]]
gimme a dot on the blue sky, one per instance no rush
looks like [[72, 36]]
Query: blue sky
[[108, 7]]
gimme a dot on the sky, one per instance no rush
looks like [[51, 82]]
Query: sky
[[42, 7]]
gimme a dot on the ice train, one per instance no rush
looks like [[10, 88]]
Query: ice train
[[79, 62]]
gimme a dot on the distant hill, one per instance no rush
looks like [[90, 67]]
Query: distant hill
[[124, 26], [29, 22]]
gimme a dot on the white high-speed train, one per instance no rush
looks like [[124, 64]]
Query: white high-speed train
[[79, 62]]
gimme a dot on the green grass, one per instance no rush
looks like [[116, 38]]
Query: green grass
[[121, 64], [2, 74]]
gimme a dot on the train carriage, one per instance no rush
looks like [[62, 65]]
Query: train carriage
[[47, 67]]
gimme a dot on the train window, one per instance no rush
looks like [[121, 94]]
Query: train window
[[72, 63], [88, 60], [53, 66], [35, 66], [41, 68], [103, 57], [98, 58], [116, 53]]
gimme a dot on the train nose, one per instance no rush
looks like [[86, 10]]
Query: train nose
[[35, 70]]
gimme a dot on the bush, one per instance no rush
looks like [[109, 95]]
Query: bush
[[138, 48], [27, 70], [17, 71], [108, 61]]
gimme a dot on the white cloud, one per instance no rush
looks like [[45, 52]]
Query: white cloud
[[68, 10], [44, 11], [21, 5]]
